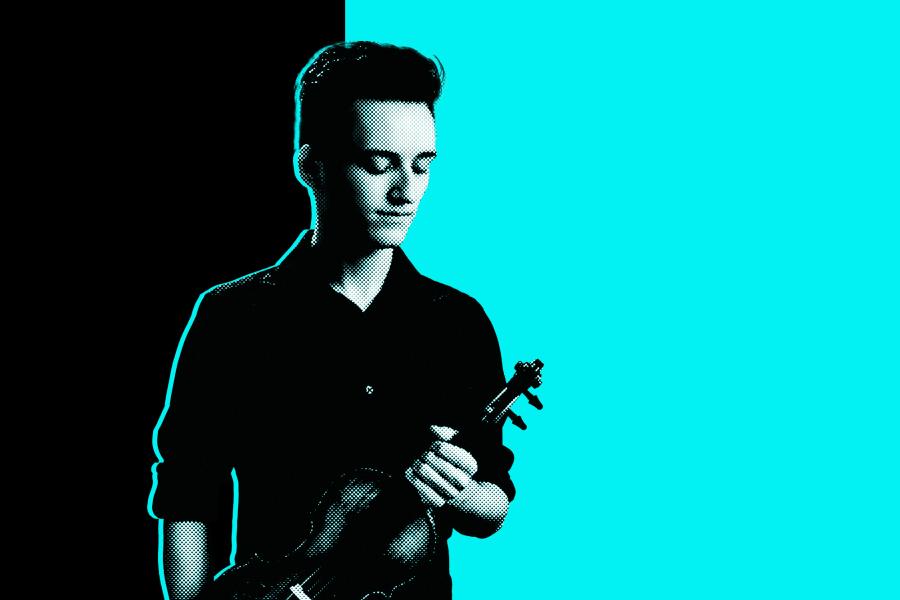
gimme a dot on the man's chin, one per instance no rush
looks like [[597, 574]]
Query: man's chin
[[387, 238]]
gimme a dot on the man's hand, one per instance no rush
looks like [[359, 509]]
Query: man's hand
[[443, 476], [443, 471]]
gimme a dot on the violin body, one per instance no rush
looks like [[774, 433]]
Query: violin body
[[367, 523]]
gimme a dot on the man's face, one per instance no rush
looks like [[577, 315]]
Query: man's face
[[374, 194]]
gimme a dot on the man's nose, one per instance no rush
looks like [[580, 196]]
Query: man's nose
[[400, 192]]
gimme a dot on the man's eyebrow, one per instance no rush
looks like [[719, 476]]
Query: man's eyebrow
[[425, 154]]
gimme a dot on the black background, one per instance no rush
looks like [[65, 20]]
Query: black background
[[166, 148]]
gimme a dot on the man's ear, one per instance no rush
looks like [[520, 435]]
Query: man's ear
[[307, 170]]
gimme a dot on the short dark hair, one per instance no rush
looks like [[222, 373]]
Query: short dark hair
[[343, 72]]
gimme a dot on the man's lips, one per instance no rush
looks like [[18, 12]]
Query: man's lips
[[391, 213]]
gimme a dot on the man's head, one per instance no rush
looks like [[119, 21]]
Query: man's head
[[365, 136]]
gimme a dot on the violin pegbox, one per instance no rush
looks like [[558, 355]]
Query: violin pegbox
[[527, 375], [531, 372]]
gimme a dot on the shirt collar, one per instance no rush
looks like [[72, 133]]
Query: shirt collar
[[301, 266]]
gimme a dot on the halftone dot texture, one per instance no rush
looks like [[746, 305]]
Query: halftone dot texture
[[388, 173], [371, 529], [346, 71], [186, 558]]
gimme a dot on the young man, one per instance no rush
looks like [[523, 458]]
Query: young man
[[340, 356]]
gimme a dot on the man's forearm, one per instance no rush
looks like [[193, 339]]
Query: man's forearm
[[478, 510], [186, 561]]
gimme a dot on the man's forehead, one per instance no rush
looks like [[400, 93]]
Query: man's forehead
[[380, 104], [393, 124]]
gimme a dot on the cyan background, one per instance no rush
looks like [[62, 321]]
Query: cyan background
[[689, 212]]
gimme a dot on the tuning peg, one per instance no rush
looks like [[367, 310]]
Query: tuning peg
[[516, 420], [533, 400]]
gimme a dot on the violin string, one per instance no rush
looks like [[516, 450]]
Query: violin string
[[324, 587], [317, 583], [309, 584]]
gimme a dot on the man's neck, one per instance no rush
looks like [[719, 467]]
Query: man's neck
[[356, 273]]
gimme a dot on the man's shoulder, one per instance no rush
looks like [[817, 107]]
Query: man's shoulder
[[441, 292], [246, 291], [450, 298], [251, 283]]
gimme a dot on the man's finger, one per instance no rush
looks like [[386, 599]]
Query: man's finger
[[456, 476], [431, 477], [428, 496], [455, 456], [443, 433]]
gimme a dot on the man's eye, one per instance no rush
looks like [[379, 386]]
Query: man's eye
[[421, 166], [377, 164]]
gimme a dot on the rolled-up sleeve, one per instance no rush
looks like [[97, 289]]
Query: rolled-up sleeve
[[192, 478]]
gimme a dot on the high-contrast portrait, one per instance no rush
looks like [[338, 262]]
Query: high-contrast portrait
[[332, 419]]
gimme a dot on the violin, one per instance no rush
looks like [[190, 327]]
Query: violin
[[369, 533]]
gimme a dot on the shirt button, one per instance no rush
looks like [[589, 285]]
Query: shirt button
[[370, 390]]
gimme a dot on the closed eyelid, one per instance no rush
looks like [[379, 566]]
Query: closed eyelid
[[370, 154], [371, 161], [423, 160], [367, 158], [421, 166]]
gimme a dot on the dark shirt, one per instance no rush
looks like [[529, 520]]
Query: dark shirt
[[290, 384]]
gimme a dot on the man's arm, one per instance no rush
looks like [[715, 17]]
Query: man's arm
[[187, 565], [479, 509], [190, 495], [443, 478]]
